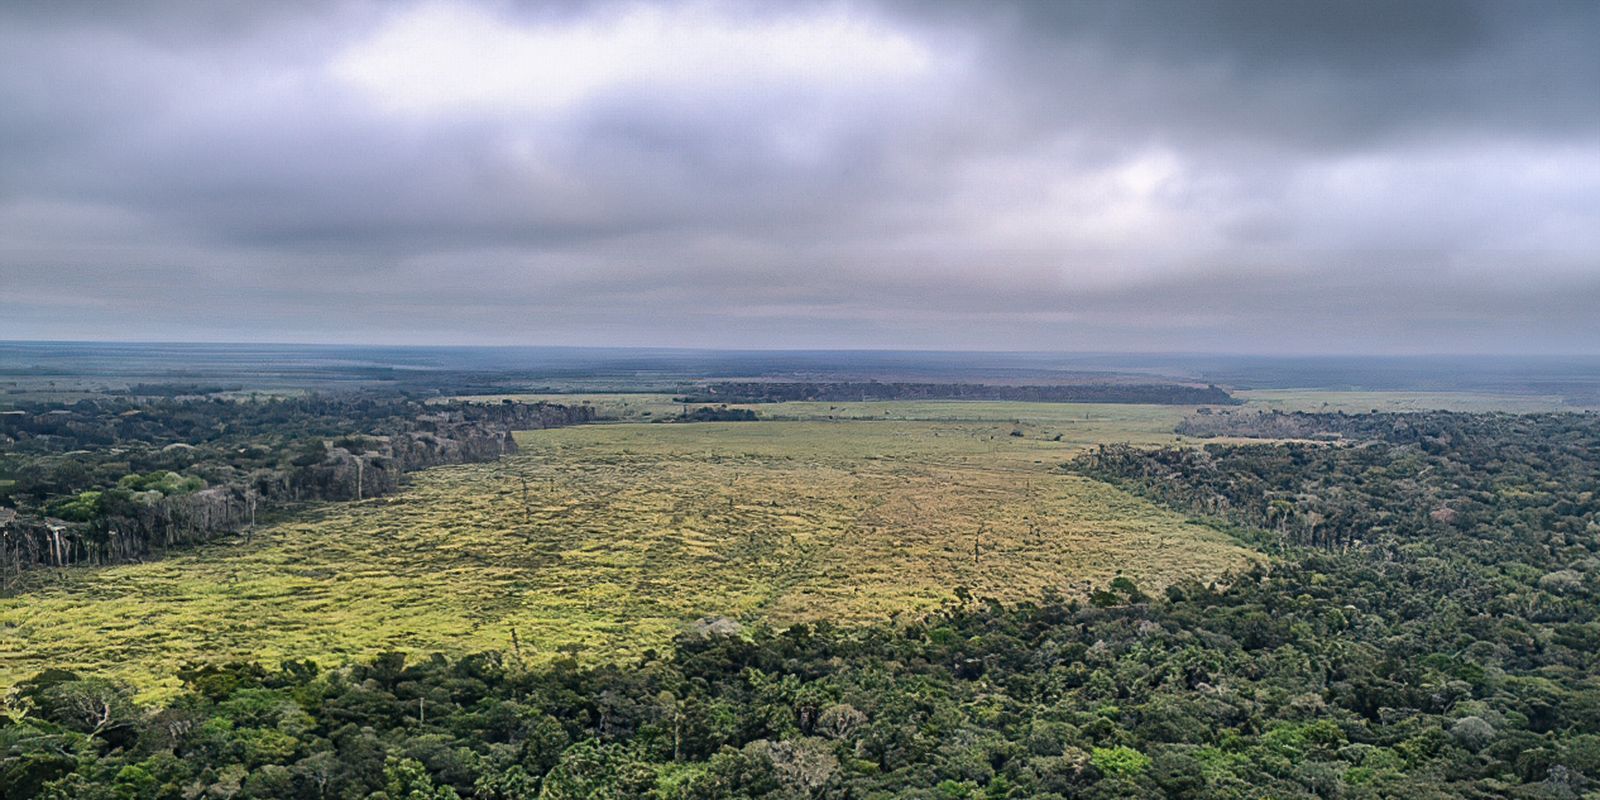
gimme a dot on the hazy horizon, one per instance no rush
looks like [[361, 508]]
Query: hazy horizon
[[372, 344], [1230, 177]]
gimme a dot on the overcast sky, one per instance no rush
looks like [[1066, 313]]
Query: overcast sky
[[1268, 176]]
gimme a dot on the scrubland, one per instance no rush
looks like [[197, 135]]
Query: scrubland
[[604, 540]]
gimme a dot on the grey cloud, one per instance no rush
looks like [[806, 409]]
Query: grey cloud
[[1223, 175], [1320, 73]]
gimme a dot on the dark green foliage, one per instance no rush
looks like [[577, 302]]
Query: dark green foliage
[[718, 414]]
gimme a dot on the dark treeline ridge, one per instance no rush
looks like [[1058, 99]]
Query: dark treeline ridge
[[717, 414], [1407, 427], [1415, 654], [852, 391], [112, 479]]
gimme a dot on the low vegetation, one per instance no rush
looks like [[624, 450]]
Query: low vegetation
[[603, 540]]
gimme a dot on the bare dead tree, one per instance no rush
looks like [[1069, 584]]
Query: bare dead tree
[[251, 497], [527, 515]]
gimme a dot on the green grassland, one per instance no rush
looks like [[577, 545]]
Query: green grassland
[[630, 530]]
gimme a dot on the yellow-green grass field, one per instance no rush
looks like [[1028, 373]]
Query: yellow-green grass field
[[627, 532]]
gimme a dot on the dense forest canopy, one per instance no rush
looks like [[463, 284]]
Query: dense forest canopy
[[1426, 629]]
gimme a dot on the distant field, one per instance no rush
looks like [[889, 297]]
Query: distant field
[[1078, 423], [1135, 419], [630, 530]]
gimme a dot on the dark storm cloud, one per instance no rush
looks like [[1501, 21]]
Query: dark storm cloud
[[1395, 176]]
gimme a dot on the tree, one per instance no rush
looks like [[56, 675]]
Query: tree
[[407, 779]]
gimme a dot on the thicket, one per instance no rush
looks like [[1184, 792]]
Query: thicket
[[113, 479], [1429, 427], [1410, 654], [719, 413]]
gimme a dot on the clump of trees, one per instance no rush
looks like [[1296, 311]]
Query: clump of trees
[[1522, 486], [1388, 650], [112, 479], [720, 413]]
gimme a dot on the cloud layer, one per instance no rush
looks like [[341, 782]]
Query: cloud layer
[[1244, 176]]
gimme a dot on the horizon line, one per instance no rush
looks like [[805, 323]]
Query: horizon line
[[780, 350]]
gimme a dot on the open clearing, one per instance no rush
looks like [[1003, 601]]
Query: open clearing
[[1078, 424], [628, 531]]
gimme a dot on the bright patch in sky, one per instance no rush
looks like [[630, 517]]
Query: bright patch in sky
[[451, 58]]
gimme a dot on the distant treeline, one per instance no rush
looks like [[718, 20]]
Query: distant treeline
[[1435, 429], [861, 391], [108, 480], [717, 414], [175, 389]]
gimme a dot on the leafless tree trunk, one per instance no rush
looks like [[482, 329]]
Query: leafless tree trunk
[[250, 498], [527, 513]]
